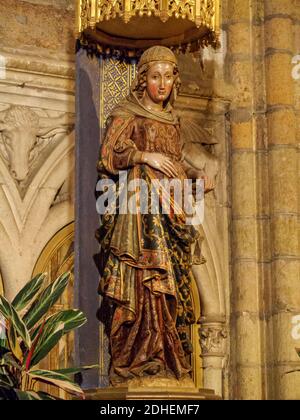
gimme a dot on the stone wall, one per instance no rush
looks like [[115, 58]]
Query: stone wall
[[262, 40], [48, 25], [36, 131]]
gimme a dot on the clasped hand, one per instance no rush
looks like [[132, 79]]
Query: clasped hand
[[161, 163], [209, 184], [164, 164]]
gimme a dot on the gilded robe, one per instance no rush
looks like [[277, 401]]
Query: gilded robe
[[145, 258]]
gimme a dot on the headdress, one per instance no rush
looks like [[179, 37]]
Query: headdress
[[157, 53]]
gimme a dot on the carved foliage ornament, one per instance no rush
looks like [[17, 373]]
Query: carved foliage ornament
[[212, 339]]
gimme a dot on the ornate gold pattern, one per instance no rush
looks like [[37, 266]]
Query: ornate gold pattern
[[181, 8], [201, 12], [144, 7], [85, 8], [110, 8], [117, 76]]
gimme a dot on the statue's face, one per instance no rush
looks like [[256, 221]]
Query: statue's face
[[160, 81]]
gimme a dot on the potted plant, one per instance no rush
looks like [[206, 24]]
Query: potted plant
[[28, 332]]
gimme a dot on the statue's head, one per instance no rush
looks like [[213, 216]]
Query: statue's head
[[158, 75]]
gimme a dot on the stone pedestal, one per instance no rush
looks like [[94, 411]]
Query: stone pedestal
[[150, 394], [153, 388]]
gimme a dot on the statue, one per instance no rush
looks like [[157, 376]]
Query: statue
[[145, 259]]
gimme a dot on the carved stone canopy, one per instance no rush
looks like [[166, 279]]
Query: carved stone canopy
[[128, 27]]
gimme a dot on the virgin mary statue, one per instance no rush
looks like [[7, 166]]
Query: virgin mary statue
[[146, 257]]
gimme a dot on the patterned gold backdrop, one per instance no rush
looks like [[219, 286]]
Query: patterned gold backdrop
[[116, 80]]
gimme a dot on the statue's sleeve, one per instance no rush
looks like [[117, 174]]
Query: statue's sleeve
[[125, 149], [119, 151]]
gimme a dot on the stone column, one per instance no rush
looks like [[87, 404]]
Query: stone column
[[86, 273], [244, 26], [284, 198]]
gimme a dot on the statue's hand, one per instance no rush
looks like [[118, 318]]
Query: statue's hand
[[160, 162], [209, 184]]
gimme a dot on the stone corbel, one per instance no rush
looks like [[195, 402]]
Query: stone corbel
[[213, 335]]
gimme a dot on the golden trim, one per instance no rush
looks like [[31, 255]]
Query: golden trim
[[217, 17], [52, 246], [197, 367], [1, 285]]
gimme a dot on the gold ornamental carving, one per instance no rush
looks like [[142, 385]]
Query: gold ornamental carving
[[201, 12], [138, 24]]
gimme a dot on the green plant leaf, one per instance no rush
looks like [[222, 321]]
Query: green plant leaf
[[13, 342], [29, 355], [48, 339], [71, 318], [56, 379], [5, 381], [2, 330], [3, 336], [9, 360], [5, 308], [73, 371], [46, 396], [54, 328], [46, 300], [25, 296], [27, 395], [3, 344], [10, 314], [5, 377], [7, 393]]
